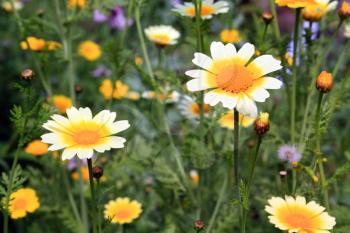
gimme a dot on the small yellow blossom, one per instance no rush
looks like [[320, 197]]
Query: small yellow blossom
[[53, 45], [288, 58], [76, 3], [120, 90], [106, 88], [122, 210], [138, 60], [295, 3], [194, 177], [90, 50], [36, 148], [62, 102], [35, 44], [230, 36], [23, 201]]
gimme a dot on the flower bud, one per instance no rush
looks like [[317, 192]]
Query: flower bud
[[262, 124], [283, 174], [97, 172], [267, 17], [344, 10], [78, 89], [194, 177], [324, 82], [295, 164], [27, 74], [198, 225]]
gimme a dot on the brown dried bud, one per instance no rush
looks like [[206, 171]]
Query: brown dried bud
[[78, 89], [344, 10], [27, 74], [262, 124], [267, 17], [97, 172], [199, 225], [324, 82]]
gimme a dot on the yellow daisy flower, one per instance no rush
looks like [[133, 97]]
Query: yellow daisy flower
[[295, 3], [53, 45], [76, 3], [61, 102], [121, 90], [162, 35], [190, 109], [35, 44], [316, 11], [230, 36], [90, 50], [81, 134], [122, 210], [22, 202], [36, 148], [106, 89], [232, 79], [295, 215], [209, 8], [227, 120]]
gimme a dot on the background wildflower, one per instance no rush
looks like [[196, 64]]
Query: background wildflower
[[36, 148], [289, 153], [90, 50], [22, 202], [122, 210]]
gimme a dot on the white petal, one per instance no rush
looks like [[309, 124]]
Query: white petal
[[116, 142], [212, 98], [202, 61], [266, 63], [120, 126], [260, 94], [246, 52], [74, 114], [220, 51], [247, 107], [271, 83], [85, 113], [229, 101], [68, 153], [84, 153]]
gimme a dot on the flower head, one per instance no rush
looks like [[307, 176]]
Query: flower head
[[262, 124], [230, 36], [7, 5], [344, 10], [118, 92], [295, 215], [289, 153], [81, 134], [227, 120], [295, 3], [35, 44], [209, 8], [190, 109], [36, 148], [122, 210], [62, 102], [232, 79], [324, 82], [194, 177], [90, 50], [316, 11], [22, 202], [76, 3], [162, 35]]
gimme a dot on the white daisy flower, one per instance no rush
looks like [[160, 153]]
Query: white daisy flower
[[172, 97], [232, 79], [162, 35], [208, 9], [190, 109], [81, 134]]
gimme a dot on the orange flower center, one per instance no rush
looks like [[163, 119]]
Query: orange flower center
[[234, 78], [205, 11], [195, 108], [162, 39], [19, 204], [86, 137], [122, 214]]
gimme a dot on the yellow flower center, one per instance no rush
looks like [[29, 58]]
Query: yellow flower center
[[205, 11], [122, 214], [162, 39], [86, 137], [19, 204], [235, 78]]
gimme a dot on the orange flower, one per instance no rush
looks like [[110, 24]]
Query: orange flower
[[344, 11], [23, 201], [76, 3], [84, 172], [295, 3], [230, 36], [324, 82], [90, 50], [62, 102], [35, 44], [122, 210], [36, 148]]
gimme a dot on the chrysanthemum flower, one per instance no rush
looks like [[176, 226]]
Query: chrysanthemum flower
[[230, 36], [122, 210], [90, 50], [316, 11], [295, 3], [35, 44], [76, 3], [162, 35], [190, 109], [289, 153], [62, 102], [227, 120], [118, 92], [22, 202], [296, 216], [81, 134], [209, 8], [36, 148], [344, 10], [232, 79]]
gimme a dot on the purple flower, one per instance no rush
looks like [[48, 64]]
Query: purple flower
[[72, 164], [101, 71], [99, 17], [175, 2], [117, 19], [289, 153]]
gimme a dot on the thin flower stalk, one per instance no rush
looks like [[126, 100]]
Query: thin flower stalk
[[94, 213], [276, 28]]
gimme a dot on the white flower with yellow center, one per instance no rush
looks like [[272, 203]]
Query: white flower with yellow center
[[81, 134], [208, 9], [232, 79], [190, 109], [162, 35]]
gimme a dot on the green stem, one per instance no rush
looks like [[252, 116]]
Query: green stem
[[99, 213], [294, 76], [83, 208], [93, 198], [276, 28], [318, 152], [341, 59], [250, 180], [236, 165]]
